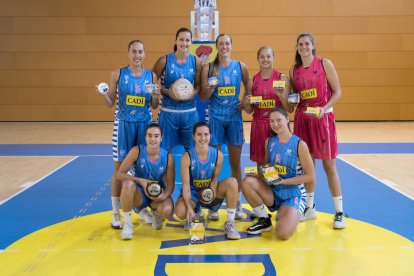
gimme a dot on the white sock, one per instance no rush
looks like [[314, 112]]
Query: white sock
[[338, 203], [115, 204], [310, 199], [231, 213], [261, 211], [127, 217]]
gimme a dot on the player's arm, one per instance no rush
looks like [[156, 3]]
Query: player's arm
[[170, 185], [217, 171], [206, 90], [333, 82], [128, 162], [185, 178], [307, 166], [247, 106], [245, 80], [156, 93], [110, 97], [285, 94], [292, 80], [197, 77]]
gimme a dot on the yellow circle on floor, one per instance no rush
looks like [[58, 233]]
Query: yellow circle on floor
[[88, 246]]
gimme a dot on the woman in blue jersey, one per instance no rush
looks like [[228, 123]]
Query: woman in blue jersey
[[177, 117], [127, 88], [224, 108], [293, 162], [200, 169], [151, 164]]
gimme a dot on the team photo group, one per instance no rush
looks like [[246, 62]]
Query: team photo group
[[283, 179]]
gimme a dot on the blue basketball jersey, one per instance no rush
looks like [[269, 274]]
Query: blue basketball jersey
[[223, 101], [133, 101], [172, 72], [147, 169], [285, 156], [202, 171]]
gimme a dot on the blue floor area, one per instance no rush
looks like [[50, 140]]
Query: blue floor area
[[106, 149], [81, 187]]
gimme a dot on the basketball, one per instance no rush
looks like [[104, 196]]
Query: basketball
[[206, 195], [103, 88], [183, 89]]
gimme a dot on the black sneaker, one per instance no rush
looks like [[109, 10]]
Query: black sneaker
[[263, 224]]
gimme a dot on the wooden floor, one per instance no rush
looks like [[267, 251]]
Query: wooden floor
[[392, 169]]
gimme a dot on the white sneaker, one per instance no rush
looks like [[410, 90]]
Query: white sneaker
[[145, 215], [308, 213], [213, 215], [239, 211], [116, 221], [157, 220], [200, 213], [127, 232], [339, 221], [231, 231]]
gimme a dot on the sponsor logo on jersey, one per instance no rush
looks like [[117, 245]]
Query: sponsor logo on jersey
[[135, 100], [199, 183], [270, 103], [226, 91], [308, 94], [280, 169]]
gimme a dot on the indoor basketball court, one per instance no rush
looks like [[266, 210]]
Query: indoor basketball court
[[56, 154]]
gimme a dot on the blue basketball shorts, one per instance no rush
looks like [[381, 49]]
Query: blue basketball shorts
[[289, 195], [223, 132]]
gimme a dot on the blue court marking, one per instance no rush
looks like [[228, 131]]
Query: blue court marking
[[264, 259], [106, 149], [76, 190]]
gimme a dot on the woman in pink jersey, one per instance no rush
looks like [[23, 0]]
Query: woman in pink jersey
[[316, 80], [263, 84]]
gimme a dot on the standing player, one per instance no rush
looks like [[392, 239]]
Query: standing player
[[224, 109], [263, 84], [293, 162], [151, 164], [127, 88], [177, 117], [317, 82], [200, 168]]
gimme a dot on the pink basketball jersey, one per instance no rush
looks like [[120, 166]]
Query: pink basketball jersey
[[312, 84], [265, 89]]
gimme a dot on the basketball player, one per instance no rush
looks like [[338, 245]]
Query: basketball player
[[317, 81], [127, 88], [200, 168], [293, 162], [176, 117], [151, 163], [262, 85], [224, 109]]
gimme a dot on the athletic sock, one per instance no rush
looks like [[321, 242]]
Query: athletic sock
[[338, 204], [231, 213], [261, 211]]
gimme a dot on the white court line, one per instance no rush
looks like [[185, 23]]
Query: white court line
[[376, 178], [30, 184]]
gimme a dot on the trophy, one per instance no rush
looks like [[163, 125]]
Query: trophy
[[313, 111], [150, 87], [206, 195], [250, 171], [153, 189], [213, 81], [103, 88], [255, 99], [279, 84]]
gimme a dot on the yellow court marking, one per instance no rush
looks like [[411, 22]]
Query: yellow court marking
[[88, 246]]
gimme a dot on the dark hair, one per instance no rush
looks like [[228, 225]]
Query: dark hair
[[264, 48], [135, 41], [182, 30], [284, 113], [153, 125], [215, 68], [298, 59], [201, 124]]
